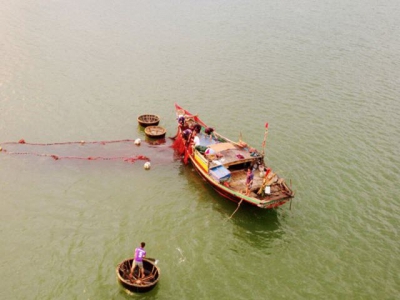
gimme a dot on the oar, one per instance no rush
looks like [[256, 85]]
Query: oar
[[155, 261]]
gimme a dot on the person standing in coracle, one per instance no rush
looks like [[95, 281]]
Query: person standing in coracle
[[140, 253]]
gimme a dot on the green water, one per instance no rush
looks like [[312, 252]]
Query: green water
[[325, 75]]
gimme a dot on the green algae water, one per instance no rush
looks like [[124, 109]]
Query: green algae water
[[324, 75]]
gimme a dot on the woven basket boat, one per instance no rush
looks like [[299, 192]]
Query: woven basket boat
[[148, 120], [134, 284], [155, 131]]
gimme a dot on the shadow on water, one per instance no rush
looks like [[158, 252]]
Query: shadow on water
[[155, 141], [150, 295], [257, 226]]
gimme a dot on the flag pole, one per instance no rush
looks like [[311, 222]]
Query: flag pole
[[265, 138]]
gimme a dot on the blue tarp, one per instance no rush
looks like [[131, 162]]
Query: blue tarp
[[220, 173]]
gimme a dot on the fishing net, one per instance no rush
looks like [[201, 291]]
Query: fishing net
[[115, 150]]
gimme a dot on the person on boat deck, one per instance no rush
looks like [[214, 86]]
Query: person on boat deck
[[249, 180], [140, 253], [196, 139], [208, 131], [186, 134], [196, 128], [182, 123]]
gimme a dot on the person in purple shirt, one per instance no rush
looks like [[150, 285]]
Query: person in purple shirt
[[249, 181], [140, 253]]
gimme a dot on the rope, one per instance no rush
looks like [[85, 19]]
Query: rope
[[236, 209]]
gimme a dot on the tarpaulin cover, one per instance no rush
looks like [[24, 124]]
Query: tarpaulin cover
[[220, 173]]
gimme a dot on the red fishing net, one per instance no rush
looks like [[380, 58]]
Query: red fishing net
[[98, 150]]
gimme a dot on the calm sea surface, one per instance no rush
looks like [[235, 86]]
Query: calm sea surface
[[324, 74]]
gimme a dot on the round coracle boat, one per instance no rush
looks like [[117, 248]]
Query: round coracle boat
[[148, 120], [134, 283], [155, 131]]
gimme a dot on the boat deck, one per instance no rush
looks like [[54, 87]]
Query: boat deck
[[227, 165], [238, 182], [230, 154]]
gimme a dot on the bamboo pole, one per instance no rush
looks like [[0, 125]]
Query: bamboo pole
[[265, 139]]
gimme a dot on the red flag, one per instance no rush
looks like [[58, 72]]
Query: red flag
[[266, 125]]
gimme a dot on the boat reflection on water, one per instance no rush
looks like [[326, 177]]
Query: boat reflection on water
[[257, 227], [155, 141]]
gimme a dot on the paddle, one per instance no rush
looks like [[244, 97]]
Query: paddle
[[155, 261]]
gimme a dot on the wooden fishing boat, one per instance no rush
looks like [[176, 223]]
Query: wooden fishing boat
[[148, 120], [224, 164], [134, 283], [155, 131]]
